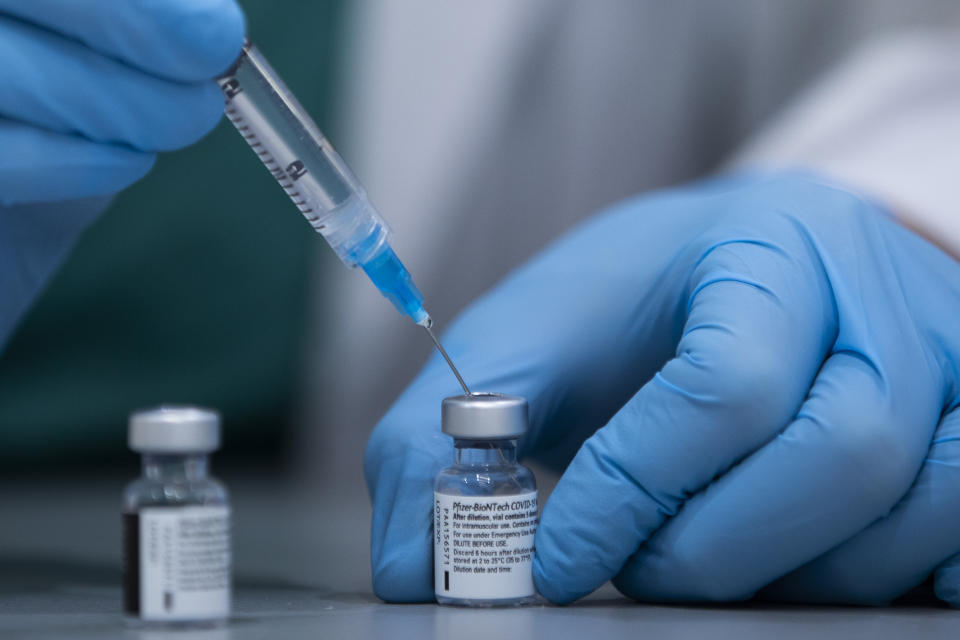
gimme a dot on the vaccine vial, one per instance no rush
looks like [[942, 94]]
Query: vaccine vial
[[485, 505], [176, 521]]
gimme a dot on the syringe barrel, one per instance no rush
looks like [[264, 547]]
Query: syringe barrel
[[301, 159]]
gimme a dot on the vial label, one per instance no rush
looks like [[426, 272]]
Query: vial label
[[183, 565], [483, 546]]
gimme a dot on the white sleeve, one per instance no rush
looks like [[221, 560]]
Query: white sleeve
[[886, 123]]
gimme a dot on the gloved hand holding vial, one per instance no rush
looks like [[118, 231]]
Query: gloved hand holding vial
[[751, 385]]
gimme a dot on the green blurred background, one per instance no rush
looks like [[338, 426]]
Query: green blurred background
[[191, 288]]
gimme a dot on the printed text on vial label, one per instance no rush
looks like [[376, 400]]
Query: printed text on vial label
[[483, 546], [185, 562]]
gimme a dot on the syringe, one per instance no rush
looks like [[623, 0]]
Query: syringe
[[319, 182]]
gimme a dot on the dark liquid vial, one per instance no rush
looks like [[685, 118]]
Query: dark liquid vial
[[131, 564], [176, 522]]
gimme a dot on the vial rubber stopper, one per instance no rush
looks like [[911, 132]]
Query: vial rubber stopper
[[484, 416], [174, 429]]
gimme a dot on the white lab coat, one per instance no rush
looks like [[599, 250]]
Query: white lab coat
[[483, 130]]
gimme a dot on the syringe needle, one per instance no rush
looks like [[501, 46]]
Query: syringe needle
[[427, 325]]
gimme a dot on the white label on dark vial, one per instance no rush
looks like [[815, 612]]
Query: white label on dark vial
[[184, 563], [483, 546]]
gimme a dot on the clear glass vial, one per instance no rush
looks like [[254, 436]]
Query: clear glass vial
[[485, 505], [176, 521]]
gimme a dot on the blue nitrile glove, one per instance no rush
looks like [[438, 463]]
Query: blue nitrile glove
[[89, 93], [772, 365]]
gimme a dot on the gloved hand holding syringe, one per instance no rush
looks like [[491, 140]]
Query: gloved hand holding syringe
[[319, 182]]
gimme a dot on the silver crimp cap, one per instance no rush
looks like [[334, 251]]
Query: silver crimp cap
[[174, 429], [484, 416]]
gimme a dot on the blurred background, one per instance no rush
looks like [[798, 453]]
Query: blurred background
[[481, 130]]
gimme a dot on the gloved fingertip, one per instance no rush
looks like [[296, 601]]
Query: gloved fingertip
[[104, 171], [186, 41], [107, 172], [396, 580], [946, 582], [140, 164], [551, 587], [200, 39], [216, 30], [205, 106]]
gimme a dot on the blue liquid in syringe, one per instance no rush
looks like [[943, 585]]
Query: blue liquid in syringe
[[394, 281]]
